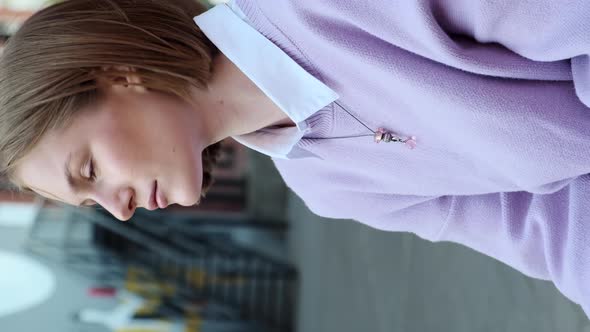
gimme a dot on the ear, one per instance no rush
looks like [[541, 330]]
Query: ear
[[129, 77]]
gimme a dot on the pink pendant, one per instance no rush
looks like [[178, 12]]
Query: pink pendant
[[382, 135], [411, 142]]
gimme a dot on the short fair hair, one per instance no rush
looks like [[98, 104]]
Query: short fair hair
[[49, 70]]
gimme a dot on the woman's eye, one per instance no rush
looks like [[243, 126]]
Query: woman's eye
[[91, 175]]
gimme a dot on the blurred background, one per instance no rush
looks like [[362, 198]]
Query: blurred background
[[251, 257]]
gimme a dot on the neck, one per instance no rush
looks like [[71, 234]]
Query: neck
[[233, 105]]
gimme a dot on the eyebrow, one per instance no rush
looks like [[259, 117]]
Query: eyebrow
[[40, 192]]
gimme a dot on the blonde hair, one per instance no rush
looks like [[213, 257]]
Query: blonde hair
[[49, 70]]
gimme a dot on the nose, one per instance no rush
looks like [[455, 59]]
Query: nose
[[120, 202]]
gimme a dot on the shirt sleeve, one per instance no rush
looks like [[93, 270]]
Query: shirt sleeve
[[532, 39], [544, 236]]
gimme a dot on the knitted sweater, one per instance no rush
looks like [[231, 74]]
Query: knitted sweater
[[497, 93]]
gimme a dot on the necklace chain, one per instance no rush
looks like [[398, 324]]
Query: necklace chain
[[337, 103], [381, 135]]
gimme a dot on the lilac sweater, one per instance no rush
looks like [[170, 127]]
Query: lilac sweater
[[497, 93]]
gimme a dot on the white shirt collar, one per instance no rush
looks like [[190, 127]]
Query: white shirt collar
[[286, 83]]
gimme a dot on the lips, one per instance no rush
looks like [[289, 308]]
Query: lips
[[161, 201], [157, 198], [152, 203]]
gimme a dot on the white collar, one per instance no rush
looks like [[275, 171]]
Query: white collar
[[285, 82]]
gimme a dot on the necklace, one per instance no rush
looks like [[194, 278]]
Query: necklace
[[382, 135]]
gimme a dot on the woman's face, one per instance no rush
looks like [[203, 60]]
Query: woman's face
[[114, 153]]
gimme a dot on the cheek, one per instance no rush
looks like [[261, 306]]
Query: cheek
[[127, 142], [117, 156]]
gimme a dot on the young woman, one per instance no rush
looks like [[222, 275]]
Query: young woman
[[464, 121]]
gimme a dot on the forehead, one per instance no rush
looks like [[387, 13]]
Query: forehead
[[42, 169]]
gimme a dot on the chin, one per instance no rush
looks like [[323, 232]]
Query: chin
[[190, 193], [189, 200]]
